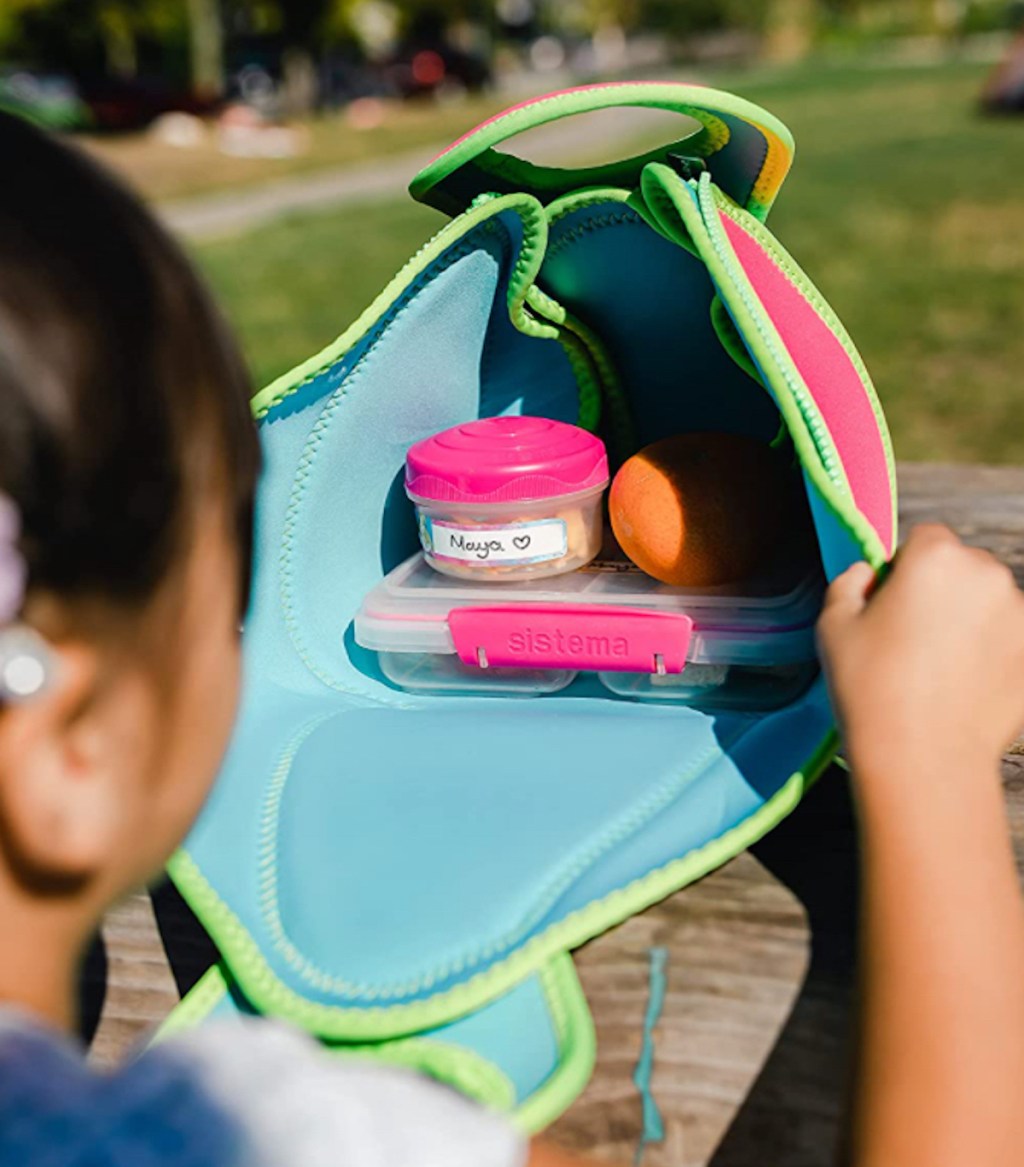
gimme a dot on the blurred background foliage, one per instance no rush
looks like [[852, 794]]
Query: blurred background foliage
[[904, 205], [195, 44]]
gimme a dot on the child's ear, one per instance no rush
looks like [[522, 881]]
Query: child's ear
[[59, 805]]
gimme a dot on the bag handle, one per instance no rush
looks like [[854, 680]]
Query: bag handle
[[747, 150]]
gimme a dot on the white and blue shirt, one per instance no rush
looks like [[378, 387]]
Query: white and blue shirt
[[250, 1095]]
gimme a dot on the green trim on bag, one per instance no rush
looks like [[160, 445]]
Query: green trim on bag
[[658, 186], [812, 435], [663, 214], [197, 1004], [527, 263], [577, 1046], [269, 994], [460, 1068], [475, 150], [818, 453], [451, 1064], [796, 275], [523, 205], [588, 378], [620, 431], [730, 339], [576, 200]]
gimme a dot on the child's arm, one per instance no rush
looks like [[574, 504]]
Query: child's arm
[[928, 680]]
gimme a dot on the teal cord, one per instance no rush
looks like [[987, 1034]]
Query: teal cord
[[653, 1127]]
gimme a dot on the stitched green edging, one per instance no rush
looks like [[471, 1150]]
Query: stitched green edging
[[577, 1045], [455, 1065], [703, 104], [658, 184], [588, 380], [197, 1004], [782, 371], [521, 174], [807, 428], [271, 995], [531, 254], [564, 205], [730, 339], [450, 245], [799, 279], [620, 430], [525, 268], [794, 401], [663, 214]]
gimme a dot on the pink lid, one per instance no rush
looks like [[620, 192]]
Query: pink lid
[[506, 459]]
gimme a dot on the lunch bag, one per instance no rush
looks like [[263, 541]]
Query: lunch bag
[[404, 875]]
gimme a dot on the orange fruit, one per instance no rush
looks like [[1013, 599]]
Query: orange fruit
[[698, 510]]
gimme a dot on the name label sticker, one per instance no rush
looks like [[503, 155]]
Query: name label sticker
[[508, 544]]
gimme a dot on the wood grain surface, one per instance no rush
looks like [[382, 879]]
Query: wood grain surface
[[753, 1044]]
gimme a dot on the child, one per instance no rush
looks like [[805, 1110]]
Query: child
[[127, 470]]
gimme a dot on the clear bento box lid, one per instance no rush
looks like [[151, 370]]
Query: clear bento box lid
[[765, 620]]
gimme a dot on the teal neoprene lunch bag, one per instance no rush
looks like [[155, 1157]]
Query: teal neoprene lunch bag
[[404, 874]]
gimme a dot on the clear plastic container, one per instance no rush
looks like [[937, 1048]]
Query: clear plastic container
[[445, 673], [716, 648], [508, 498], [760, 687]]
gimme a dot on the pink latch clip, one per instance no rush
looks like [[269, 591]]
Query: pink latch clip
[[561, 636]]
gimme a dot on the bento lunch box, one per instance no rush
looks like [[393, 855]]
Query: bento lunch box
[[749, 647]]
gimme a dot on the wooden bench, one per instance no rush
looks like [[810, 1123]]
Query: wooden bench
[[753, 1044]]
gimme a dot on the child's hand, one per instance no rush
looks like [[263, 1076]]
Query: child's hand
[[928, 681], [932, 667]]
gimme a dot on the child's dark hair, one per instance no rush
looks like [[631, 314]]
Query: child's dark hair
[[119, 381]]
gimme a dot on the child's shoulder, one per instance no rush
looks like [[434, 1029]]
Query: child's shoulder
[[55, 1109], [249, 1093]]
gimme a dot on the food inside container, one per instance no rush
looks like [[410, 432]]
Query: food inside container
[[508, 498], [740, 647]]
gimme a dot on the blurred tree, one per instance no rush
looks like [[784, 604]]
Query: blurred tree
[[696, 16], [791, 28], [86, 35], [206, 43], [373, 24], [118, 32], [295, 31], [12, 14], [302, 27]]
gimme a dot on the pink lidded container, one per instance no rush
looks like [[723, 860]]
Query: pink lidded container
[[508, 498]]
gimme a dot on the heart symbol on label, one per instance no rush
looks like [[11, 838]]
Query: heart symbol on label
[[521, 542]]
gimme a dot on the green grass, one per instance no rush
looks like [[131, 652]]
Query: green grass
[[293, 287], [904, 206]]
